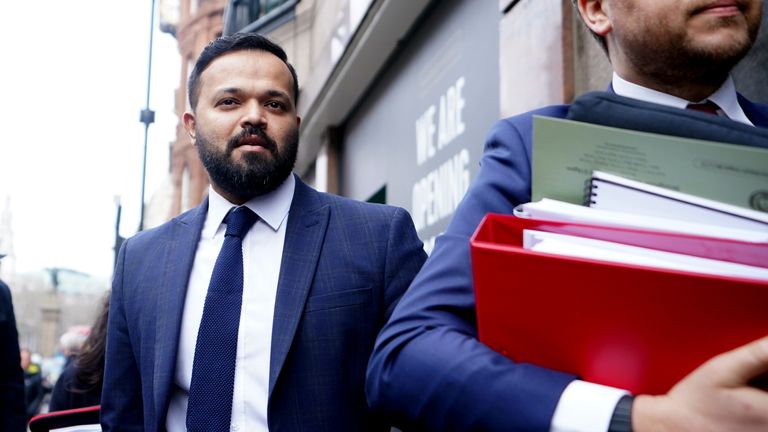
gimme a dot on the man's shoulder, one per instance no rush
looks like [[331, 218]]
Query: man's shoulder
[[311, 199], [522, 123], [556, 111], [168, 227], [351, 206], [519, 128]]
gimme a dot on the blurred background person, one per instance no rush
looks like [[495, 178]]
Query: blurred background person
[[80, 383], [71, 343], [33, 384], [12, 410]]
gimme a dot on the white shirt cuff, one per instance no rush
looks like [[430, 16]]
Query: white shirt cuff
[[585, 407]]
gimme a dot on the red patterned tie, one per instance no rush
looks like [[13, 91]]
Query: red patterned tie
[[708, 107]]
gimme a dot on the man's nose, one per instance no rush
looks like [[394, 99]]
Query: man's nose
[[253, 115]]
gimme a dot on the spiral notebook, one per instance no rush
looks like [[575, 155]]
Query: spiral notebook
[[613, 192]]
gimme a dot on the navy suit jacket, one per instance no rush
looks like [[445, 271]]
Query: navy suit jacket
[[428, 370], [345, 264]]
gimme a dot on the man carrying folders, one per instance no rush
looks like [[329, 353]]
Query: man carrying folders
[[430, 372]]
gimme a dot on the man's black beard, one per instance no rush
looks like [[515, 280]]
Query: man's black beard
[[256, 174], [674, 58]]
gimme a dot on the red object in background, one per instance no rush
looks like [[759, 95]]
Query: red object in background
[[627, 326], [66, 418]]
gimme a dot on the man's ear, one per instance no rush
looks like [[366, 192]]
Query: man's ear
[[593, 12], [189, 124], [298, 121]]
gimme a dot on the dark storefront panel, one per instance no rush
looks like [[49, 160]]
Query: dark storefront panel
[[419, 133]]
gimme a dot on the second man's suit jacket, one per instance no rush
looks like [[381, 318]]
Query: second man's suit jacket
[[429, 371], [345, 264]]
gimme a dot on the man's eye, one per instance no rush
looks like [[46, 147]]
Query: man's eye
[[276, 105], [228, 102]]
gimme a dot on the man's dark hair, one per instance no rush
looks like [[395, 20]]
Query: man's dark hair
[[236, 42], [598, 38]]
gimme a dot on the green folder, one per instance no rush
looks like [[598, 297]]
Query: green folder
[[566, 152]]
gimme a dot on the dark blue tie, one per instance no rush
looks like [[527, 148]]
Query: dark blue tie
[[213, 370]]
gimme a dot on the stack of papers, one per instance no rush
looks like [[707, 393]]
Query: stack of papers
[[647, 181], [640, 257], [566, 212], [584, 247]]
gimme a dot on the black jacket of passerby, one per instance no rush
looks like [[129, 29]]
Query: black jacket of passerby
[[33, 389], [12, 411], [69, 392]]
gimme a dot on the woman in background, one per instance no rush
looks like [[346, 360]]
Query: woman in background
[[80, 383]]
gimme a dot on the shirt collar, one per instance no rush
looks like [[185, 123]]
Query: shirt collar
[[725, 97], [272, 208]]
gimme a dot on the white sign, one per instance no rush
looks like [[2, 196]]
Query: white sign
[[436, 195]]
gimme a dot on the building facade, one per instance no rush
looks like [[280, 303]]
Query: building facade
[[396, 96], [194, 23]]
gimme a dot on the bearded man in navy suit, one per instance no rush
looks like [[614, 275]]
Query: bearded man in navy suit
[[321, 274], [430, 372]]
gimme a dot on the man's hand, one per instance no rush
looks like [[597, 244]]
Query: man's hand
[[715, 397]]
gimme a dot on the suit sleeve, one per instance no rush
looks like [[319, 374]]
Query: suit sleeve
[[405, 256], [121, 400], [428, 369]]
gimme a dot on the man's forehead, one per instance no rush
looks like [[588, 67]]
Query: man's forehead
[[248, 64], [253, 61]]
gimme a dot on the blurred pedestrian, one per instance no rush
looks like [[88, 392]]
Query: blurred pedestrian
[[12, 410], [71, 343], [80, 383], [33, 384]]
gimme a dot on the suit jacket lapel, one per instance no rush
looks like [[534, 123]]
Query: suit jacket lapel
[[756, 116], [307, 224], [181, 247]]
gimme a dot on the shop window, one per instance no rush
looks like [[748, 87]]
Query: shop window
[[379, 197], [257, 15]]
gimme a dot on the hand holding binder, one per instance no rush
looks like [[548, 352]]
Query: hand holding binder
[[719, 395]]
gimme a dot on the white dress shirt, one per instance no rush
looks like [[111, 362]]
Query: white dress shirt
[[587, 407], [724, 97], [262, 255]]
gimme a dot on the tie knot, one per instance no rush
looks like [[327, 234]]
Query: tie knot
[[708, 107], [239, 220]]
